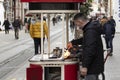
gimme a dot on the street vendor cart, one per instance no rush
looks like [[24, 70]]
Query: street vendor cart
[[45, 66]]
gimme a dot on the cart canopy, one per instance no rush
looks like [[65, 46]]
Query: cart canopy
[[58, 1]]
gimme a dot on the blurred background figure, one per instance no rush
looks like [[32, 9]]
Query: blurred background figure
[[6, 24], [29, 22], [112, 21], [109, 32], [26, 25], [72, 25], [17, 26], [54, 21]]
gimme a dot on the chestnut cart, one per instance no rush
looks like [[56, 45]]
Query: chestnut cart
[[43, 66]]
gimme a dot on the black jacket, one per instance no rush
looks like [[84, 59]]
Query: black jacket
[[7, 24], [109, 30], [93, 57]]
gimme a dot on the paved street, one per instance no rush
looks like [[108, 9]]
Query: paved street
[[10, 47], [112, 66]]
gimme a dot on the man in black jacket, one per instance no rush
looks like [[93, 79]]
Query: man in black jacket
[[6, 23], [17, 25], [93, 59], [109, 32]]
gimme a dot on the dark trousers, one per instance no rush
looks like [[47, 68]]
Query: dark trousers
[[16, 29], [37, 44], [6, 31], [109, 43]]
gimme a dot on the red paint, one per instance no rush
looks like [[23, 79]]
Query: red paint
[[71, 72], [34, 72], [58, 1]]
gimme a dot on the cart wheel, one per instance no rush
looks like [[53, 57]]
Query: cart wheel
[[101, 76]]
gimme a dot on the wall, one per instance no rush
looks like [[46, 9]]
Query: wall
[[116, 14], [1, 13]]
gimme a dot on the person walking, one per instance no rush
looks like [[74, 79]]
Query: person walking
[[26, 25], [29, 22], [17, 26], [6, 23], [109, 32], [54, 21], [72, 26], [112, 21], [93, 59], [35, 33]]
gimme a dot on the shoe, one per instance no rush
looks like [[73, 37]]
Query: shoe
[[16, 37]]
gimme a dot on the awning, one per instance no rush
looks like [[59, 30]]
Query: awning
[[56, 1], [29, 15]]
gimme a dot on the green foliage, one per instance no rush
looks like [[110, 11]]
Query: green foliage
[[86, 8]]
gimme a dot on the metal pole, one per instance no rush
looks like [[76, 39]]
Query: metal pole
[[67, 29], [48, 35], [42, 36], [63, 35]]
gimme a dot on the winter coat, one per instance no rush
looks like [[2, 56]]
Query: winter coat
[[93, 58], [16, 23], [113, 23], [109, 29], [7, 24], [35, 30]]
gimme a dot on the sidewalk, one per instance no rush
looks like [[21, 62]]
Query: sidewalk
[[112, 66]]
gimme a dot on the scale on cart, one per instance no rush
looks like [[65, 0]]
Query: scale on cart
[[43, 66]]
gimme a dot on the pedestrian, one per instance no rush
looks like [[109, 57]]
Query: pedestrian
[[112, 21], [93, 59], [35, 33], [6, 23], [29, 22], [72, 25], [54, 21], [109, 32], [17, 27], [26, 25]]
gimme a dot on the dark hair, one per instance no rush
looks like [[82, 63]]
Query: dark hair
[[104, 17], [80, 16]]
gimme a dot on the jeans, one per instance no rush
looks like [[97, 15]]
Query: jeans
[[109, 43], [91, 77], [6, 31], [37, 44]]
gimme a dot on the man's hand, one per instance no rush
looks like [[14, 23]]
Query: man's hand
[[69, 45], [83, 71]]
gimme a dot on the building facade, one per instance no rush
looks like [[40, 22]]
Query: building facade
[[1, 13], [14, 9], [116, 13]]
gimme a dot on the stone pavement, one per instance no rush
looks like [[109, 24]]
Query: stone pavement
[[112, 65]]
